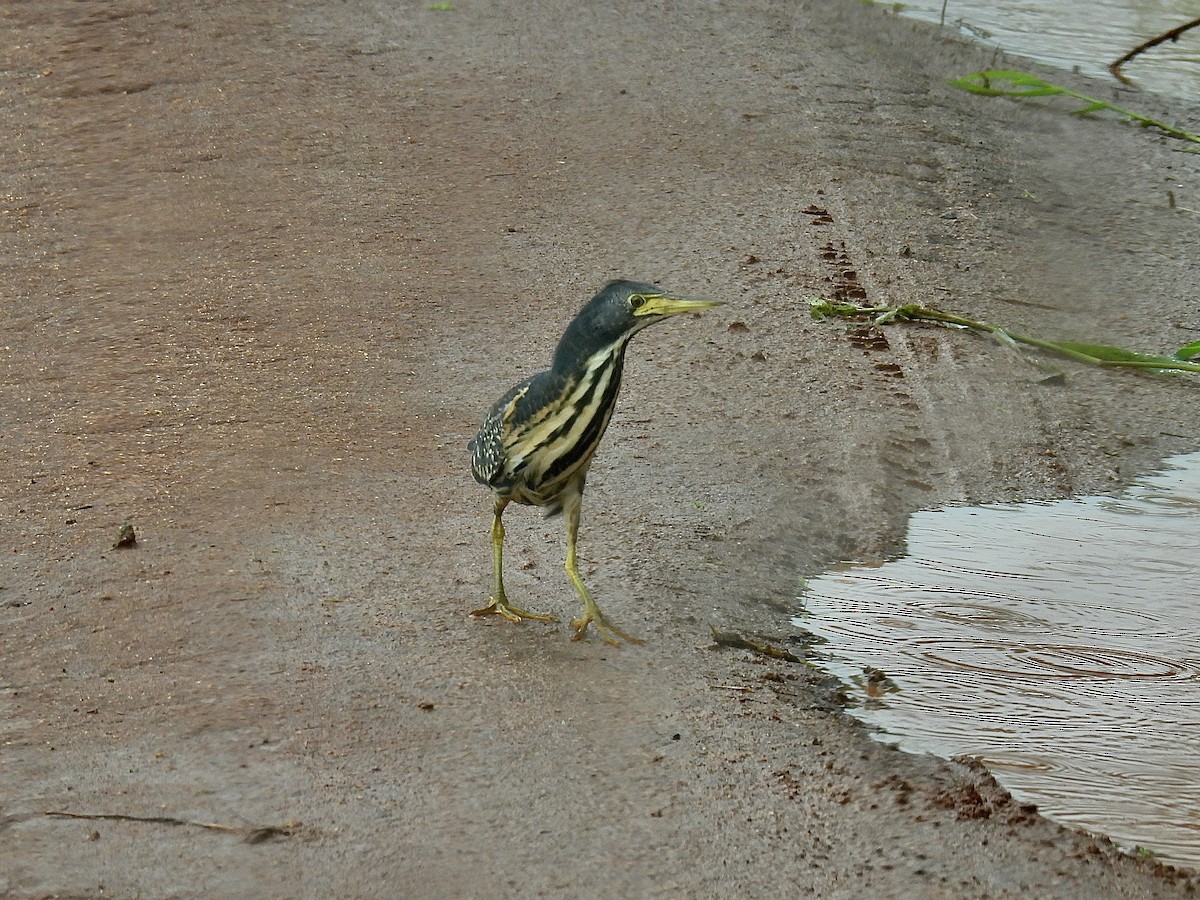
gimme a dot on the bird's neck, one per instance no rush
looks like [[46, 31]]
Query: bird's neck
[[603, 370], [574, 358]]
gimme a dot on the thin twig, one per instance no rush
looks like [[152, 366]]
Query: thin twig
[[251, 835], [741, 642], [1172, 35]]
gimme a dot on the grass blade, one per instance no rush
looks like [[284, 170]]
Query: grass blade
[[1025, 85], [1189, 352], [1090, 354], [1008, 83]]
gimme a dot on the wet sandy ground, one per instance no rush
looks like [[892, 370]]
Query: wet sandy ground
[[266, 265]]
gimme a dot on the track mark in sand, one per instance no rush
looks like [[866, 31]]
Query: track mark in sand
[[919, 452]]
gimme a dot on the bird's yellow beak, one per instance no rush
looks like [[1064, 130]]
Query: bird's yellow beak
[[666, 305]]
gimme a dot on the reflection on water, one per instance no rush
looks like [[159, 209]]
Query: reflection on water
[[1058, 641], [1088, 34]]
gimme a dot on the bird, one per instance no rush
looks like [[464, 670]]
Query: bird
[[537, 441]]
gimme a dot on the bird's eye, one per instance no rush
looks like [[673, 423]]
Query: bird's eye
[[637, 301]]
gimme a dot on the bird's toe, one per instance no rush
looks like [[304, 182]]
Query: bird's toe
[[501, 607], [611, 634]]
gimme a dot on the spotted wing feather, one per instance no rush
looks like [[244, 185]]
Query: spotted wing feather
[[487, 448]]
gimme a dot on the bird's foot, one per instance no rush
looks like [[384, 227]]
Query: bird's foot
[[501, 607], [607, 630]]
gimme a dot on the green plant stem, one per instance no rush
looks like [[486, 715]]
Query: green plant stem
[[1026, 85], [882, 315]]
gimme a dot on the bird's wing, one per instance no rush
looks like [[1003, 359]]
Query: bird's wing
[[531, 399], [507, 421], [487, 448]]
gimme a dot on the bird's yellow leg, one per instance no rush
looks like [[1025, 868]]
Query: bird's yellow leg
[[498, 603], [591, 612]]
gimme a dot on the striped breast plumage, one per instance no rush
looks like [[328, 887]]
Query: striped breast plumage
[[543, 433]]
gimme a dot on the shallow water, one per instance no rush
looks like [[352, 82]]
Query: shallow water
[[1058, 641], [1088, 34]]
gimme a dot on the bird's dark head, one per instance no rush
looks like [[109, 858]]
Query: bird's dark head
[[620, 310]]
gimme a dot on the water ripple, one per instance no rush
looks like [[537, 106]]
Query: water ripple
[[1058, 641], [1009, 660]]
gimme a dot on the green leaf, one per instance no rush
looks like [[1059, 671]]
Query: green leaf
[[1025, 85], [1006, 83], [1089, 354], [1104, 353], [1188, 352]]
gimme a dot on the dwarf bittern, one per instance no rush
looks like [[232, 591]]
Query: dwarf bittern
[[537, 442]]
